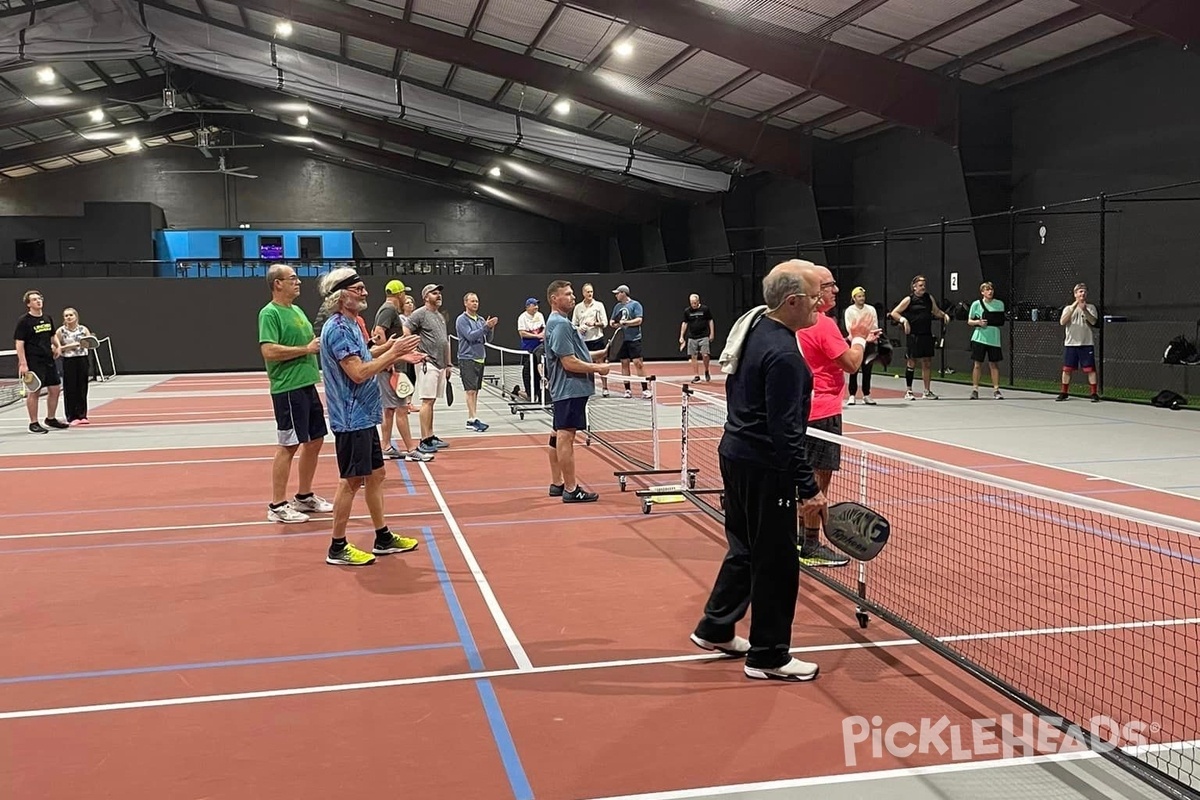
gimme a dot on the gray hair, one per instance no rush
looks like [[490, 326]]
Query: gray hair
[[333, 302], [783, 280]]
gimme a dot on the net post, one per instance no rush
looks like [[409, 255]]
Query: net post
[[683, 437], [942, 237], [654, 439], [1100, 311]]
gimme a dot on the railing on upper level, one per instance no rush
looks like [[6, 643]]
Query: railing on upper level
[[245, 268]]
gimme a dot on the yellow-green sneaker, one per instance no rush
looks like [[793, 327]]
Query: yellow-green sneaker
[[398, 544], [350, 556]]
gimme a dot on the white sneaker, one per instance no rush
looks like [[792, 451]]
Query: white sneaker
[[794, 670], [867, 400], [850, 402], [737, 646], [646, 395], [628, 394], [314, 504], [909, 395], [930, 396], [285, 514], [417, 455]]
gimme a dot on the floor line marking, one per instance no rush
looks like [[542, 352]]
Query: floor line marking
[[551, 669], [489, 597], [197, 527]]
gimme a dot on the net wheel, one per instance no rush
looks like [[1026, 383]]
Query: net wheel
[[862, 618], [646, 506], [692, 482], [522, 413], [621, 482]]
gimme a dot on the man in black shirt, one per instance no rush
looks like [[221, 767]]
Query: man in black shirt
[[765, 471], [697, 333], [37, 346]]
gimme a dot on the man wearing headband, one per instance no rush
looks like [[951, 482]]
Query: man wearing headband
[[859, 310], [289, 348], [349, 368]]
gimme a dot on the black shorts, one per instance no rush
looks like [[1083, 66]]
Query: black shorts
[[981, 352], [595, 345], [823, 454], [630, 350], [359, 453], [46, 371], [471, 373], [919, 345], [299, 416], [570, 414]]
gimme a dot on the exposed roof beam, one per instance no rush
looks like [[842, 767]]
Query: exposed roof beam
[[764, 145], [82, 101], [898, 92], [65, 146], [602, 195], [1177, 20], [520, 197]]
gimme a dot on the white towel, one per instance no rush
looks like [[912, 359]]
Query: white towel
[[732, 351]]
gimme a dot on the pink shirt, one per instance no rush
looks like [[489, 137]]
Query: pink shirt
[[822, 345]]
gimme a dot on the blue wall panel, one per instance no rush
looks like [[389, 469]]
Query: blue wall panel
[[180, 245]]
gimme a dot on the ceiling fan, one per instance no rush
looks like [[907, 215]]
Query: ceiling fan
[[233, 172]]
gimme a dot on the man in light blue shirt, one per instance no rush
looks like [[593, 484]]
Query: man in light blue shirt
[[355, 409], [627, 314], [569, 371], [473, 332]]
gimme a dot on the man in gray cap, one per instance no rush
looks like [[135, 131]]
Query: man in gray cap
[[627, 314], [428, 323]]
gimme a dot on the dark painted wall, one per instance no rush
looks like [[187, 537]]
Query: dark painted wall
[[96, 231], [294, 191], [221, 314]]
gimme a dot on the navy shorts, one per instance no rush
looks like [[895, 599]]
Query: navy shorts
[[299, 416], [570, 414], [359, 453], [1079, 357]]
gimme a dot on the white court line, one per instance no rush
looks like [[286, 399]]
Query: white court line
[[489, 597], [890, 774], [497, 673], [205, 526]]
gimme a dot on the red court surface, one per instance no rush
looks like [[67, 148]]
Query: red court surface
[[172, 643]]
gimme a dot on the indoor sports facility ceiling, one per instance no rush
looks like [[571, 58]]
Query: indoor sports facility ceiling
[[601, 108]]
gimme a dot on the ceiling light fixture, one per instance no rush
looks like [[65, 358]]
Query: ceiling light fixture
[[302, 120], [562, 107], [45, 75], [133, 143], [96, 115], [494, 172], [283, 29], [624, 49]]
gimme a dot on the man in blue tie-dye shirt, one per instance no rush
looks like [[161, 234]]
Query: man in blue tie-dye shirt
[[355, 407]]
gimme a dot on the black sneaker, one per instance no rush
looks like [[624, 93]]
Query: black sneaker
[[556, 490], [1095, 398], [35, 427], [580, 496], [1061, 397], [57, 423], [818, 555]]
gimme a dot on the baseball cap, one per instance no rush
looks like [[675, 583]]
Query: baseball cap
[[621, 288], [430, 287], [531, 301], [395, 287], [859, 290]]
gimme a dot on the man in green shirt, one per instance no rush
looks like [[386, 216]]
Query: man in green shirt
[[289, 349], [985, 340]]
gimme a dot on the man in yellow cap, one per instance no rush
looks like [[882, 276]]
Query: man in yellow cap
[[860, 310], [394, 385]]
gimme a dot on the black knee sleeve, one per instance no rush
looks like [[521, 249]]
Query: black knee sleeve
[[553, 441]]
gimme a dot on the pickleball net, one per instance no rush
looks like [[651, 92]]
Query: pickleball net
[[10, 383], [1081, 611], [513, 376]]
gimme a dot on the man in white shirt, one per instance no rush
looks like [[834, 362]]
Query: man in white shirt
[[531, 327], [590, 319], [1079, 350]]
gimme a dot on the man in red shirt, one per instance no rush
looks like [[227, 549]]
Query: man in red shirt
[[831, 359]]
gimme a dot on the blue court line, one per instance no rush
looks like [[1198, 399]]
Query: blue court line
[[1043, 516], [491, 705], [243, 662], [408, 484]]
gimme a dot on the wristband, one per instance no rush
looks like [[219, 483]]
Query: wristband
[[858, 340]]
